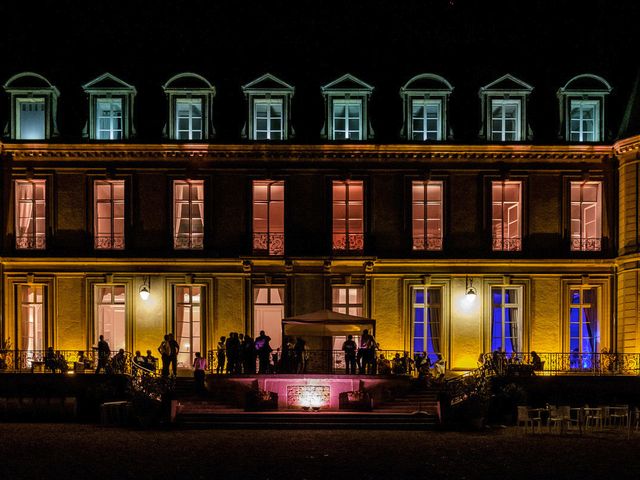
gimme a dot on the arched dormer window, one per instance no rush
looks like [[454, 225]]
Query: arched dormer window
[[269, 100], [504, 107], [347, 106], [582, 108], [425, 105], [110, 108], [190, 99], [33, 105]]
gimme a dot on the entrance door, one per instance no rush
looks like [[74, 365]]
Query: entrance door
[[268, 312]]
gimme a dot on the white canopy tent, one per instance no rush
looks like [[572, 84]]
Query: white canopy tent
[[326, 323]]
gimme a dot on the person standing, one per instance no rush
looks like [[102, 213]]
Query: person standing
[[299, 352], [165, 352], [103, 354], [199, 368], [174, 349], [367, 347], [220, 355], [249, 355], [349, 348], [263, 348]]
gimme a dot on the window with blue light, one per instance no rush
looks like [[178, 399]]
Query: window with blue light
[[427, 321], [31, 119], [506, 319], [583, 327]]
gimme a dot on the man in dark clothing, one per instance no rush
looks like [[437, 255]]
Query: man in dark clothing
[[349, 348], [173, 355], [232, 346], [249, 355], [103, 354], [264, 350]]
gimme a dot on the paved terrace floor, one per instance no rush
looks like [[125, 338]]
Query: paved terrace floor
[[80, 451]]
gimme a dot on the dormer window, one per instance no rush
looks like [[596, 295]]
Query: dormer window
[[190, 97], [269, 100], [582, 108], [33, 103], [346, 101], [110, 108], [425, 100], [504, 103]]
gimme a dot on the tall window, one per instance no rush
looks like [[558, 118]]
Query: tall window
[[586, 216], [347, 300], [30, 214], [188, 201], [188, 323], [426, 116], [109, 118], [108, 214], [583, 326], [506, 319], [348, 216], [427, 320], [347, 120], [268, 312], [505, 120], [268, 217], [268, 122], [189, 118], [506, 215], [110, 315], [427, 215], [584, 120], [32, 317], [31, 118]]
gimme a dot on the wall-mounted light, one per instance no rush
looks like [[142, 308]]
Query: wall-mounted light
[[145, 288], [469, 289]]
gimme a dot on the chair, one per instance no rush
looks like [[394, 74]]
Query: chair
[[576, 418], [593, 418], [525, 419], [619, 416], [559, 418]]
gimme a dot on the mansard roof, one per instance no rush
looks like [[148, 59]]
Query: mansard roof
[[267, 83], [108, 83]]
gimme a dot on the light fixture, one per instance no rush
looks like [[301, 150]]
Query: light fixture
[[469, 289], [145, 288]]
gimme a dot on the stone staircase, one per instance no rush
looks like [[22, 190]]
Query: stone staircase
[[420, 402]]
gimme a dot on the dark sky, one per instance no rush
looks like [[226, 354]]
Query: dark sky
[[308, 44]]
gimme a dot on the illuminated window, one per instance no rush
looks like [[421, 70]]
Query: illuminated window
[[188, 315], [268, 312], [348, 216], [586, 216], [109, 118], [426, 120], [110, 315], [583, 326], [188, 221], [30, 214], [585, 119], [506, 203], [30, 119], [268, 217], [268, 122], [108, 214], [505, 120], [347, 120], [347, 300], [32, 317], [427, 320], [189, 119], [506, 319], [427, 215]]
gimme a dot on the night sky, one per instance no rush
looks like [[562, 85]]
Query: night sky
[[309, 44]]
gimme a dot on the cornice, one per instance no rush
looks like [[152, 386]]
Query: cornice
[[627, 145], [171, 152]]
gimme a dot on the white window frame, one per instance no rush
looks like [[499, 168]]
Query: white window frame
[[190, 131], [99, 318], [348, 307], [33, 328], [188, 350], [590, 219], [37, 238], [354, 242], [30, 100], [582, 133], [504, 306], [191, 240], [271, 134], [112, 132], [584, 359], [425, 306], [510, 242], [347, 132], [270, 242], [110, 241], [426, 241], [425, 132], [502, 133]]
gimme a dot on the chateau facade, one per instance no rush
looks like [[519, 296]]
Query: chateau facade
[[453, 247]]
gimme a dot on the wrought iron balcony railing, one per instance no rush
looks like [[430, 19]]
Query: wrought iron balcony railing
[[348, 243], [109, 242], [586, 244], [268, 243], [422, 242]]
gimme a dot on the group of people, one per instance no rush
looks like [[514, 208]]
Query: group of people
[[362, 356], [238, 354], [501, 363], [115, 364], [147, 361]]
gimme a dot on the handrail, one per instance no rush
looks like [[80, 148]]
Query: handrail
[[12, 360]]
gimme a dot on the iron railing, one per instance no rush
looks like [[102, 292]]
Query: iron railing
[[77, 361], [387, 362], [563, 363]]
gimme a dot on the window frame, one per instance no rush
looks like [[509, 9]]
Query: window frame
[[346, 102], [439, 119], [356, 240], [498, 243], [275, 241], [190, 101], [19, 101], [585, 243], [96, 312], [425, 306], [347, 307], [97, 130], [596, 104], [202, 320], [112, 243], [504, 102], [20, 318], [37, 240], [191, 243], [437, 244], [268, 101], [581, 360], [519, 307]]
